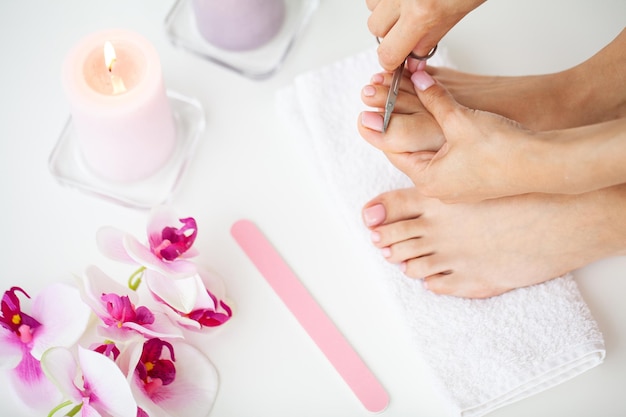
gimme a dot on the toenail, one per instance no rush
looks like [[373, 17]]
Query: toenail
[[375, 236], [422, 80], [374, 215], [372, 121], [386, 252], [369, 91], [378, 79], [402, 267], [425, 284]]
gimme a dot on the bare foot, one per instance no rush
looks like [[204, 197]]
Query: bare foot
[[484, 249]]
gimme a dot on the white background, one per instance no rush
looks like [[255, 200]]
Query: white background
[[247, 166]]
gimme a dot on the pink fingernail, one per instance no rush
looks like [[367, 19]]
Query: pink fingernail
[[372, 121], [369, 91], [377, 79], [374, 215], [422, 80]]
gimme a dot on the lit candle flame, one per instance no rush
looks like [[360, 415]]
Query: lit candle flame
[[109, 55], [109, 59]]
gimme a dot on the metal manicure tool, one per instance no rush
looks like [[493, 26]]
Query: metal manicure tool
[[395, 84]]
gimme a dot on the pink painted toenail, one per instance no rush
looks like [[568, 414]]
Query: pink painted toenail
[[422, 80], [386, 252], [425, 284], [402, 267], [374, 215], [369, 91], [372, 121], [375, 236]]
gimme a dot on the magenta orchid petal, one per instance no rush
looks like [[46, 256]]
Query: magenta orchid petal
[[63, 315], [116, 307], [110, 242], [31, 385], [96, 283], [144, 256], [109, 393]]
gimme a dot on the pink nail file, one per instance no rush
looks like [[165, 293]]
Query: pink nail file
[[311, 316]]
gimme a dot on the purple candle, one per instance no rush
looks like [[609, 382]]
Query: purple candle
[[239, 25]]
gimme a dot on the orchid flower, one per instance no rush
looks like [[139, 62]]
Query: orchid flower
[[58, 317], [115, 305], [170, 379], [94, 385], [168, 247], [189, 301]]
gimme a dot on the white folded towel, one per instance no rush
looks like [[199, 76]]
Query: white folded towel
[[483, 354]]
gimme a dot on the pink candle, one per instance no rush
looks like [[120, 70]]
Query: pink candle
[[122, 119], [239, 25]]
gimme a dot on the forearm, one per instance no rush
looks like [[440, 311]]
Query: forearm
[[584, 158]]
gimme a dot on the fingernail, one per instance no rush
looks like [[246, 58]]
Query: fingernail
[[377, 79], [375, 236], [369, 91], [372, 121], [386, 252], [374, 215], [422, 80]]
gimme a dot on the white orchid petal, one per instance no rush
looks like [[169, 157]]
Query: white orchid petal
[[214, 283], [180, 294], [162, 327], [110, 393], [96, 283], [160, 217], [11, 349], [110, 243], [60, 367], [63, 317], [31, 385], [183, 321]]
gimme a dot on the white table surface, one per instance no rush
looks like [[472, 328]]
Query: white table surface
[[248, 167]]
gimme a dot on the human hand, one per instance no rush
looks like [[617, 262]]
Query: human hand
[[449, 151], [413, 25]]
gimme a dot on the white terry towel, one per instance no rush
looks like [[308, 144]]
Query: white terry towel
[[483, 354]]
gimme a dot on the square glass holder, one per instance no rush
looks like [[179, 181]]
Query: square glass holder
[[67, 165], [259, 63]]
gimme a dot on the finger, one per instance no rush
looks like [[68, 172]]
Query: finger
[[383, 17], [397, 45], [435, 97], [384, 78], [371, 4]]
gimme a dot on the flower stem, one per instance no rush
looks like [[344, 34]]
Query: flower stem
[[135, 279], [58, 407], [74, 410]]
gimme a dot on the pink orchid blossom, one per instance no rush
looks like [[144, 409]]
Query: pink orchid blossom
[[194, 302], [94, 384], [168, 247], [58, 317], [170, 379], [115, 305]]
